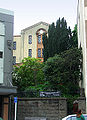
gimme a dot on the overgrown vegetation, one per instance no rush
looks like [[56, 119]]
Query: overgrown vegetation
[[29, 74], [59, 73]]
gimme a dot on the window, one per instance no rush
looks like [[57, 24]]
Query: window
[[42, 52], [39, 39], [14, 60], [14, 45], [30, 39], [30, 52], [1, 54], [39, 52]]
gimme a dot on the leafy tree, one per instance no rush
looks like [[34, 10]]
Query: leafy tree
[[29, 74], [52, 71], [72, 75], [63, 71]]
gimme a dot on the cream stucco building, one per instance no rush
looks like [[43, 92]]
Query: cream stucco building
[[82, 39], [29, 43]]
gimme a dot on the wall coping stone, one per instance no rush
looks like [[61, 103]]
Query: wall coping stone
[[61, 98]]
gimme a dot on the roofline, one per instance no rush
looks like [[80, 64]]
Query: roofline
[[47, 24]]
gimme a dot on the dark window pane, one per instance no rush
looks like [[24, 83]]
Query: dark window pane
[[1, 54], [14, 45], [42, 53], [30, 39], [39, 52], [39, 39], [14, 60], [30, 52]]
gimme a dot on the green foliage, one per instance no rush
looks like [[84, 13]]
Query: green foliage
[[62, 36], [29, 74], [51, 40], [45, 44], [58, 39], [63, 71], [53, 72], [74, 41]]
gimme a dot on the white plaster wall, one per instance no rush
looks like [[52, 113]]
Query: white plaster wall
[[82, 12]]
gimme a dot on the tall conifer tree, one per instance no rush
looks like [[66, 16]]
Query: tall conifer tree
[[51, 40], [45, 44], [58, 40]]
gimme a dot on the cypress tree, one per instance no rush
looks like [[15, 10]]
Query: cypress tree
[[45, 44], [62, 37], [58, 40], [51, 40]]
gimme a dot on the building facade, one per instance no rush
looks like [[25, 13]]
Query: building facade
[[29, 43], [82, 39], [6, 59]]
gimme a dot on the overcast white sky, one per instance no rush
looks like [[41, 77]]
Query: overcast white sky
[[29, 12]]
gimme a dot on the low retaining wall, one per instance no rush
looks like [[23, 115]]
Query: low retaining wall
[[82, 104], [44, 108]]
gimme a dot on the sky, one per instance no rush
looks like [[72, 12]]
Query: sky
[[30, 12]]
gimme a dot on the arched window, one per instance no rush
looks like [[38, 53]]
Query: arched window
[[39, 34]]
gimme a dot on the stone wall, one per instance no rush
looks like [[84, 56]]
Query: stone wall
[[82, 104], [49, 108]]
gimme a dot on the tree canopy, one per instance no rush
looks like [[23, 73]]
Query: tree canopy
[[58, 73], [59, 38], [29, 74], [63, 71]]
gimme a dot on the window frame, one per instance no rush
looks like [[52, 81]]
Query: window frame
[[39, 39], [1, 54], [14, 60], [42, 52], [30, 52], [39, 54], [30, 39], [14, 45]]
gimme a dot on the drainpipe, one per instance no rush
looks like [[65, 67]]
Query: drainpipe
[[10, 109]]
